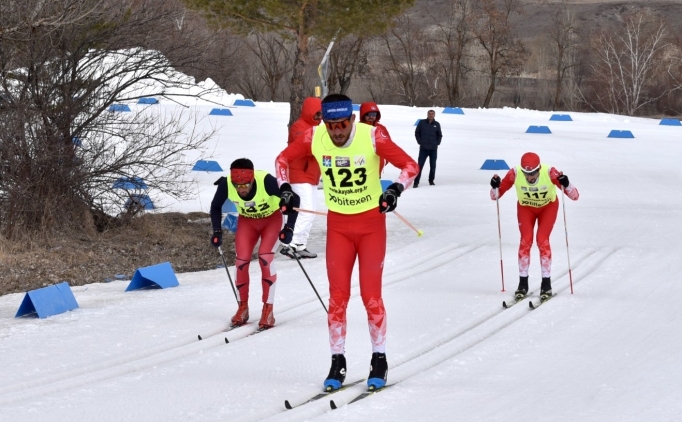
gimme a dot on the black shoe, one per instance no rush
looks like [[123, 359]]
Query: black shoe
[[545, 289], [416, 185], [303, 252], [378, 371], [432, 184], [522, 289], [287, 251], [337, 373]]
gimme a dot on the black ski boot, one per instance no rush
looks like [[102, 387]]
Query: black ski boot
[[378, 371], [337, 373], [545, 289], [522, 291]]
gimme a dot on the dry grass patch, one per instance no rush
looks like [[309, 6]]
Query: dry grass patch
[[181, 239]]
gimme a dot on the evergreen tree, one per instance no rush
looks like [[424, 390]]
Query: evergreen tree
[[303, 19]]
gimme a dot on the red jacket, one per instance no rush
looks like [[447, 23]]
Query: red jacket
[[365, 108], [305, 170]]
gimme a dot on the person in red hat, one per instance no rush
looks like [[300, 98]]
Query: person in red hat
[[370, 114], [256, 195], [304, 175], [535, 185]]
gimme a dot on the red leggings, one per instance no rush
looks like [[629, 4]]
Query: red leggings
[[248, 232], [349, 236], [545, 216]]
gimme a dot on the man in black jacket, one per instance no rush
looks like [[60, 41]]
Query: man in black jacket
[[428, 137]]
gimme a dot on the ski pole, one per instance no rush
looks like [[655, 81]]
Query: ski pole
[[499, 232], [309, 281], [310, 211], [403, 219], [228, 273], [568, 256]]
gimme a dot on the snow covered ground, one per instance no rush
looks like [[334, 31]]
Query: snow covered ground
[[609, 352]]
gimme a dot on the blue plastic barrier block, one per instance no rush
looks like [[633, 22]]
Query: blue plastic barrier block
[[244, 103], [452, 110], [220, 112], [119, 107], [385, 184], [130, 183], [48, 301], [561, 118], [230, 221], [228, 206], [159, 276], [670, 122], [356, 107], [417, 122], [538, 129], [621, 134], [494, 165], [148, 100], [203, 165], [144, 200]]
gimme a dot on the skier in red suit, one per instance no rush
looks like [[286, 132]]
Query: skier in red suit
[[349, 155], [537, 202]]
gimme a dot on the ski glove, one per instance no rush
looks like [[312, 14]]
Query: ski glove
[[495, 182], [389, 199], [563, 179], [288, 200], [286, 235], [217, 238]]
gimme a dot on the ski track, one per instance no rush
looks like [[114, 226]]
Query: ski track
[[169, 352], [436, 351]]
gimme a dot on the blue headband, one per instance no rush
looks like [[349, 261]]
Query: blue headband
[[337, 110]]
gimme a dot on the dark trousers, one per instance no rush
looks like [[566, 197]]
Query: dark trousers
[[432, 154]]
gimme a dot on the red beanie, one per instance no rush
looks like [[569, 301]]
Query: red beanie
[[530, 162]]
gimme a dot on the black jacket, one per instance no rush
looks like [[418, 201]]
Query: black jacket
[[428, 135]]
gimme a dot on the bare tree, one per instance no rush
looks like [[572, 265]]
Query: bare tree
[[564, 45], [273, 61], [61, 149], [347, 60], [407, 56], [504, 52], [453, 38], [625, 63]]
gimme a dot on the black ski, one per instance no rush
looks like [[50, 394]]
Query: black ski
[[536, 305], [322, 395], [514, 301], [361, 396]]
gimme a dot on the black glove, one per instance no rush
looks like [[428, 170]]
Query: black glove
[[288, 200], [389, 199], [563, 179], [217, 238], [286, 235], [495, 182]]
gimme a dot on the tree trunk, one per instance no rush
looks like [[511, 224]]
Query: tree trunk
[[298, 78], [491, 91]]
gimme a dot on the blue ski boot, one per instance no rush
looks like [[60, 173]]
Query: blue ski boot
[[378, 371], [337, 373]]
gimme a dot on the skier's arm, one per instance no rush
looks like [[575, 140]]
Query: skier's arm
[[217, 204], [388, 150], [506, 183], [272, 189], [571, 191], [292, 152]]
